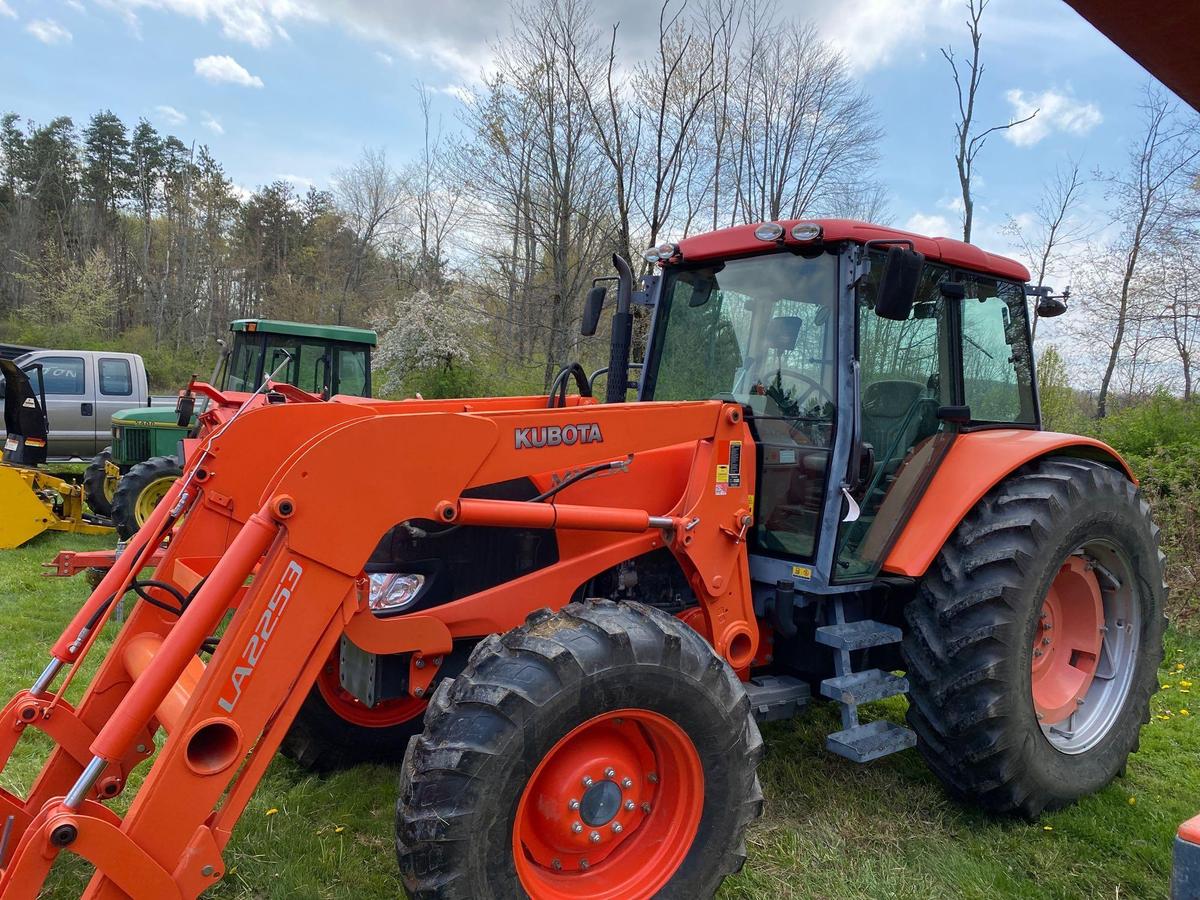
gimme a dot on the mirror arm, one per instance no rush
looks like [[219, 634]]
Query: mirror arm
[[622, 334]]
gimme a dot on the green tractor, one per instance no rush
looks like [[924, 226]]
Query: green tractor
[[128, 479]]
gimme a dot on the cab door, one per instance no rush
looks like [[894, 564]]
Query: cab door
[[116, 389]]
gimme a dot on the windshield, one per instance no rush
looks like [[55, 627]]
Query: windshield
[[758, 330]]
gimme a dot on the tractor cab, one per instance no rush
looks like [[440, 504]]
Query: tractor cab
[[325, 359], [858, 353]]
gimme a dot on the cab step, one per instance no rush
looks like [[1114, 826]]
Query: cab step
[[863, 743], [858, 635], [863, 687], [774, 697]]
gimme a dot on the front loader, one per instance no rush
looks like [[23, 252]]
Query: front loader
[[563, 619]]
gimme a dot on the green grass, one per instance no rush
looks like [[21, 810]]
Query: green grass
[[831, 829]]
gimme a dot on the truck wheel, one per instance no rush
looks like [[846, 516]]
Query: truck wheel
[[1035, 638], [603, 751], [140, 490], [335, 730], [98, 487]]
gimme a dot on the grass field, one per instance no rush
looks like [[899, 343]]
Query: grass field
[[831, 829]]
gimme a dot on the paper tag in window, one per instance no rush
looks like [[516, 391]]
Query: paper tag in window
[[10, 444], [801, 572], [787, 457]]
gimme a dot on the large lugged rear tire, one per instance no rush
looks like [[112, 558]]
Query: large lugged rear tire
[[603, 751], [98, 488], [333, 730], [1035, 638], [140, 490]]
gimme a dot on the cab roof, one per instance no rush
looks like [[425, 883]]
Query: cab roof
[[740, 240], [301, 329]]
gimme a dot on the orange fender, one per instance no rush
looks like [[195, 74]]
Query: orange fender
[[976, 462]]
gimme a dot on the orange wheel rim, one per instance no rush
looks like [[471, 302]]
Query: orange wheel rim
[[1067, 641], [354, 711], [611, 811]]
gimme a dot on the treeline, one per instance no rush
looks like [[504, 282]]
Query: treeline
[[569, 151]]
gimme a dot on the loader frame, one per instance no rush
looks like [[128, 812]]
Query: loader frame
[[246, 508]]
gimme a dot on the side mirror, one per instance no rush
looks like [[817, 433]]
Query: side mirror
[[1049, 307], [593, 305], [185, 406], [898, 283]]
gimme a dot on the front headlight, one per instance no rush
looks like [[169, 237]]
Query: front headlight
[[392, 591]]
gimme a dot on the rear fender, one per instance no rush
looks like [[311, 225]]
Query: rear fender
[[976, 463]]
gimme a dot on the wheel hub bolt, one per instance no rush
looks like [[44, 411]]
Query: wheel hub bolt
[[557, 865], [1045, 642], [587, 781], [617, 828], [573, 804], [577, 827], [594, 837], [645, 807], [627, 783], [583, 864], [610, 772], [652, 778], [630, 805]]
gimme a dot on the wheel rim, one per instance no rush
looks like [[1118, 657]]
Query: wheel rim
[[611, 811], [151, 496], [354, 711], [1085, 647]]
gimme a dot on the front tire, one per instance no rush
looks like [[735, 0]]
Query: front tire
[[140, 490], [98, 487], [1034, 640], [603, 751]]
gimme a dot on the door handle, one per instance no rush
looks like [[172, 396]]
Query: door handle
[[85, 409]]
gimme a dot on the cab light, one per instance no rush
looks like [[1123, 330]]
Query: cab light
[[391, 591], [651, 255], [806, 231], [769, 231]]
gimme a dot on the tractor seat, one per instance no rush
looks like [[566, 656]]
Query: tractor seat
[[885, 415]]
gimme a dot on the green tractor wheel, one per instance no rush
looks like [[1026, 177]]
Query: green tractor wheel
[[100, 481], [140, 490]]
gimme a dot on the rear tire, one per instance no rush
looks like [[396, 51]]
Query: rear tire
[[477, 817], [978, 646], [98, 489], [139, 491]]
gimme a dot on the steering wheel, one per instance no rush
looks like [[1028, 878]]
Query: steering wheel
[[814, 386], [559, 385]]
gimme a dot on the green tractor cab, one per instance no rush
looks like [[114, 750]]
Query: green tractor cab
[[126, 480]]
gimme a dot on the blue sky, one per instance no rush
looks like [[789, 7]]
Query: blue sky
[[295, 88]]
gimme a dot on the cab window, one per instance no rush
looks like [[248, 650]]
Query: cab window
[[997, 363], [116, 379], [351, 372], [61, 375]]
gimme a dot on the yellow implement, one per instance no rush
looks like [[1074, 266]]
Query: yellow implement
[[32, 501]]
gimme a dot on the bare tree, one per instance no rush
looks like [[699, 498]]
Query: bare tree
[[370, 196], [1052, 231], [1148, 195], [969, 140]]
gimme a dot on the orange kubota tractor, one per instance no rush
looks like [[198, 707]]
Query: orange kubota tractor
[[563, 618]]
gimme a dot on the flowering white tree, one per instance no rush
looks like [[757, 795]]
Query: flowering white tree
[[419, 331]]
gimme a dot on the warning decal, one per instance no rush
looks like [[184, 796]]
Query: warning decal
[[735, 464]]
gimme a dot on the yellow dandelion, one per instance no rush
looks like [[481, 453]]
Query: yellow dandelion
[[272, 811], [1047, 828], [1166, 687], [1185, 683], [1184, 712], [1178, 667], [339, 829]]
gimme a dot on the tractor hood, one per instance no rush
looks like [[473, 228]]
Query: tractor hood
[[149, 416]]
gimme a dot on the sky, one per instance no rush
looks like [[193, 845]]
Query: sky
[[294, 89]]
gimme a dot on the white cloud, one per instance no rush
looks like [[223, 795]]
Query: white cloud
[[212, 124], [880, 29], [1056, 112], [170, 115], [77, 6], [458, 91], [7, 11], [928, 225], [298, 180], [386, 58], [225, 69], [48, 31]]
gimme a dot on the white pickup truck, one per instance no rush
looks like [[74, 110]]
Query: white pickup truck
[[83, 388]]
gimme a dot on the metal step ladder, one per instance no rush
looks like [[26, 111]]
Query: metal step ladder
[[858, 742]]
